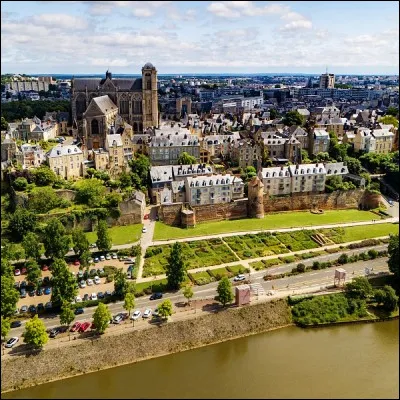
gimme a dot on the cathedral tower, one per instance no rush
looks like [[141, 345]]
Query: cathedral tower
[[150, 97]]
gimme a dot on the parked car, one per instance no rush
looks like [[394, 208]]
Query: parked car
[[16, 285], [146, 216], [40, 291], [47, 290], [114, 256], [147, 313], [136, 315], [391, 203], [16, 324], [17, 272], [155, 313], [129, 275], [23, 293], [97, 280], [75, 326], [78, 299], [92, 272], [93, 245], [117, 319], [79, 311], [84, 327], [80, 275], [77, 263], [32, 309], [108, 256], [124, 316], [102, 258], [239, 278], [46, 280], [130, 267], [82, 284], [32, 293], [11, 342], [48, 305], [144, 230], [107, 293], [89, 282], [45, 268], [156, 296], [54, 332], [23, 285], [100, 295], [93, 296], [24, 270], [96, 259], [23, 309], [40, 307]]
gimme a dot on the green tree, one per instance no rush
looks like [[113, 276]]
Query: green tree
[[90, 192], [393, 111], [64, 283], [85, 257], [31, 245], [125, 180], [112, 200], [80, 241], [393, 251], [21, 222], [101, 318], [176, 267], [34, 272], [224, 290], [43, 199], [4, 124], [343, 259], [5, 327], [273, 114], [6, 268], [293, 118], [129, 302], [55, 239], [67, 314], [389, 120], [305, 157], [20, 184], [165, 309], [35, 333], [9, 296], [354, 165], [141, 165], [300, 267], [188, 292], [44, 176], [186, 159], [120, 283], [390, 300], [12, 251], [359, 288], [103, 237]]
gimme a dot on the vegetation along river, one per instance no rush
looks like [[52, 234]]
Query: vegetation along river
[[352, 361]]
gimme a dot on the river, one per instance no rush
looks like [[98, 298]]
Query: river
[[352, 361]]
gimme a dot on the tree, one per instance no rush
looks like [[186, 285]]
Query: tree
[[34, 272], [31, 245], [103, 237], [129, 302], [125, 180], [390, 300], [224, 290], [35, 332], [293, 118], [120, 283], [64, 283], [343, 259], [11, 251], [90, 192], [393, 251], [141, 165], [305, 157], [389, 120], [273, 114], [393, 111], [43, 199], [5, 327], [101, 318], [56, 241], [44, 176], [188, 292], [21, 222], [176, 267], [9, 296], [6, 268], [20, 184], [4, 124], [300, 267], [85, 257], [359, 288], [80, 241], [186, 159], [353, 165], [165, 309], [67, 314]]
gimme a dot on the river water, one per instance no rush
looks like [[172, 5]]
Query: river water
[[352, 361]]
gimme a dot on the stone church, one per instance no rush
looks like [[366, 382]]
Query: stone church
[[136, 101]]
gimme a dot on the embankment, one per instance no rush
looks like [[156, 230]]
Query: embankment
[[57, 363]]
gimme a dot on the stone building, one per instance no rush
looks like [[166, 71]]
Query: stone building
[[246, 153], [319, 141], [66, 161], [276, 180], [30, 156], [116, 159], [136, 99]]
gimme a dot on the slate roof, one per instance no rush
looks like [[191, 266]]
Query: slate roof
[[111, 138], [93, 84], [62, 150]]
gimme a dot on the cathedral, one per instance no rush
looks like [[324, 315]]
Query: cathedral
[[95, 104]]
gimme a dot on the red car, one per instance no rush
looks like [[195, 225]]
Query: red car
[[77, 263], [75, 327], [147, 216], [24, 270], [45, 268], [92, 326], [17, 272], [84, 327]]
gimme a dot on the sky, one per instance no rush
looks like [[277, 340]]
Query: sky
[[88, 37]]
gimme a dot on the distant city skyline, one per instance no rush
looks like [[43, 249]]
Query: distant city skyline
[[214, 37]]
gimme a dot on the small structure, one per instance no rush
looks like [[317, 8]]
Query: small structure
[[242, 293], [340, 277]]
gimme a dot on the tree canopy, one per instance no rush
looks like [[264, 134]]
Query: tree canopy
[[176, 267], [165, 309], [31, 245], [393, 251], [293, 118], [80, 241], [120, 283], [33, 273], [186, 159], [103, 236], [64, 283], [188, 292], [55, 239], [21, 222], [5, 327], [90, 192], [224, 290], [101, 318], [67, 314], [35, 332], [129, 302], [9, 296], [359, 288], [44, 176], [43, 199]]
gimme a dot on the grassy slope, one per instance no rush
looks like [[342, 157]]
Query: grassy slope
[[120, 234]]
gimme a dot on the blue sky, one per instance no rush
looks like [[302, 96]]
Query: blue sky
[[200, 37]]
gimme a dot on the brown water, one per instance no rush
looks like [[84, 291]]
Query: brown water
[[353, 361]]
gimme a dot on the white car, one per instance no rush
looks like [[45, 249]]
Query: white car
[[102, 258], [114, 256], [93, 296], [82, 284], [239, 277], [117, 319], [144, 230], [136, 315], [93, 246], [108, 257], [89, 282], [78, 299], [270, 293], [147, 313], [12, 341], [97, 280]]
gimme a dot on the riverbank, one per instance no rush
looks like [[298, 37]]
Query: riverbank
[[110, 351]]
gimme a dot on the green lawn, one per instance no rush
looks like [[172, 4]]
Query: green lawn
[[120, 234], [271, 221]]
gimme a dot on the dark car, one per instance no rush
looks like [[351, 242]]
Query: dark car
[[54, 332], [23, 293], [40, 292], [100, 295], [16, 285], [40, 307], [79, 311], [48, 305], [16, 324], [47, 290], [46, 280], [32, 309], [108, 293], [156, 296], [23, 285], [23, 309], [32, 292], [92, 272], [86, 297]]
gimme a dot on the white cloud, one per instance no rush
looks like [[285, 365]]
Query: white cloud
[[223, 10], [297, 25], [60, 21]]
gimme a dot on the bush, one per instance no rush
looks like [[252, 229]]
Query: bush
[[372, 254], [110, 278], [316, 265], [20, 184], [343, 259], [300, 268]]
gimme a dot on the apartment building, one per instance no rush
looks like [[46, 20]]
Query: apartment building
[[66, 161]]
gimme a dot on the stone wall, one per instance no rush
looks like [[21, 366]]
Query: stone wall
[[218, 212], [171, 214], [66, 194]]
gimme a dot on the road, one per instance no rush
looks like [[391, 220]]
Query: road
[[309, 280]]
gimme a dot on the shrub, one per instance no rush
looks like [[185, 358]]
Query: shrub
[[372, 254], [110, 278], [20, 184], [300, 268], [316, 265], [343, 259]]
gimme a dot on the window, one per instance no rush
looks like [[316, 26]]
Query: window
[[116, 159], [95, 127], [115, 152]]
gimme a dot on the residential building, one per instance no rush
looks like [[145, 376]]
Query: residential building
[[277, 180], [30, 156], [24, 86], [327, 81], [115, 148], [364, 140], [246, 153], [383, 140], [308, 177], [319, 141], [66, 161]]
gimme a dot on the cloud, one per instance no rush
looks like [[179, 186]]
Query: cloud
[[60, 21], [297, 25]]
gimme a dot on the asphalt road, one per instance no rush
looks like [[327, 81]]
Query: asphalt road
[[310, 280]]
